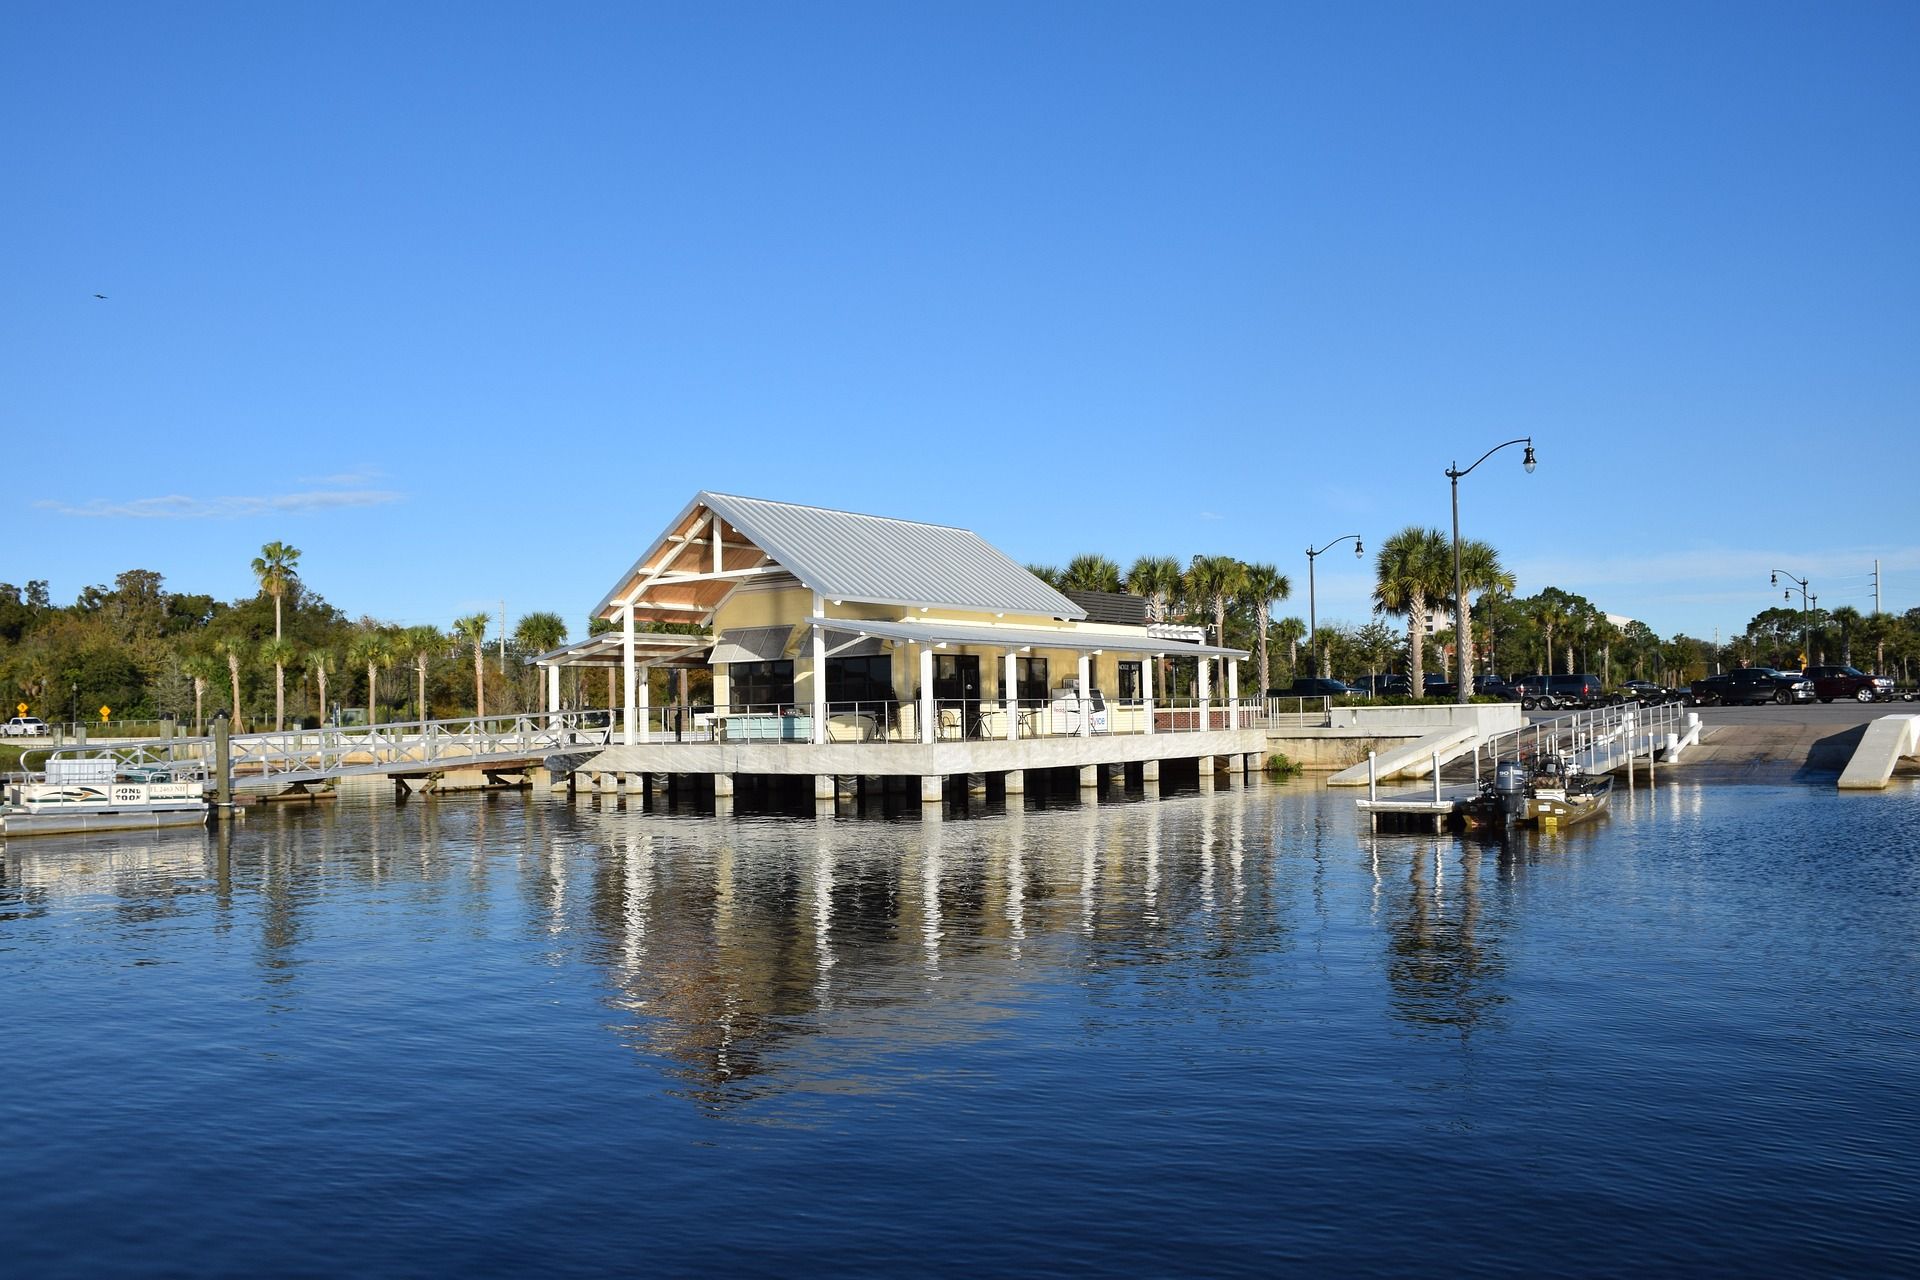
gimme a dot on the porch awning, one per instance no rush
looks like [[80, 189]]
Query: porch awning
[[1024, 638], [752, 644]]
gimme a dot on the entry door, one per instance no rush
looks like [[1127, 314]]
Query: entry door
[[956, 677]]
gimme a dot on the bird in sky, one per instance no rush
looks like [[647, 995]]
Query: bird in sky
[[101, 296]]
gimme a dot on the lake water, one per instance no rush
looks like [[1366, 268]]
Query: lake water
[[1211, 1034]]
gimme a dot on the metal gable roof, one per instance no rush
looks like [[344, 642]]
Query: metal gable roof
[[880, 560]]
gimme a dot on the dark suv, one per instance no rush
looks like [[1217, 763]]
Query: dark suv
[[1389, 686], [1313, 687], [1561, 691], [1849, 682]]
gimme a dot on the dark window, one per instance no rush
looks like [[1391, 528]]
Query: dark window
[[956, 676], [1130, 681], [760, 684], [1030, 676], [860, 679]]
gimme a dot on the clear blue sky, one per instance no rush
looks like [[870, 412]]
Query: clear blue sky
[[466, 301]]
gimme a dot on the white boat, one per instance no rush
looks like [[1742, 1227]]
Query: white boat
[[103, 793]]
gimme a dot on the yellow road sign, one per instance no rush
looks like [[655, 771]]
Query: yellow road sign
[[21, 707], [104, 713]]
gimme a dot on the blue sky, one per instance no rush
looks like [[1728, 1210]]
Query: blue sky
[[466, 301]]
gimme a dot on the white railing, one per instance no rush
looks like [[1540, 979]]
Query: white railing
[[965, 719], [1601, 739]]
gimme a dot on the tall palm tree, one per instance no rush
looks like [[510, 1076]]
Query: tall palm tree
[[233, 648], [420, 643], [279, 652], [1158, 579], [1216, 580], [473, 630], [538, 633], [1412, 572], [372, 648], [319, 661], [1848, 619], [1049, 574], [274, 567], [1265, 585], [1291, 631], [1091, 572], [204, 668], [1480, 570], [1549, 617]]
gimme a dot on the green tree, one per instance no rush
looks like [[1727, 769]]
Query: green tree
[[1216, 580], [274, 567], [419, 644], [373, 648], [1413, 572], [279, 652], [203, 668], [472, 629], [539, 633], [1291, 631], [319, 661], [1264, 586], [1090, 572], [1480, 570], [1157, 579], [1049, 574]]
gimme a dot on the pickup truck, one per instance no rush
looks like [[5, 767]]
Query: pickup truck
[[25, 727], [1849, 682], [1750, 686]]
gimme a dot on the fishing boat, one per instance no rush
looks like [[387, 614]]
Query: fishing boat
[[1547, 793], [103, 793]]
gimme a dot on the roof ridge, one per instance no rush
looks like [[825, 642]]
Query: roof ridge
[[837, 511]]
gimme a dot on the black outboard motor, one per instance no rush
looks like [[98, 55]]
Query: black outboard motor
[[1510, 788]]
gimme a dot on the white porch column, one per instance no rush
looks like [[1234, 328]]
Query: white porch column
[[553, 687], [1011, 703], [1233, 693], [1206, 690], [1146, 686], [926, 693], [819, 672], [646, 702], [1086, 695], [630, 734]]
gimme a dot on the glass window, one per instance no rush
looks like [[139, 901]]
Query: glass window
[[760, 684], [1130, 681], [860, 679]]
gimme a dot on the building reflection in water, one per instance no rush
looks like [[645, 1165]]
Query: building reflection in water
[[744, 955]]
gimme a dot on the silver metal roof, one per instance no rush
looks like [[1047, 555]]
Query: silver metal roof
[[935, 632], [880, 560], [752, 644]]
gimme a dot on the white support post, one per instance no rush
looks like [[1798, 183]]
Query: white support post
[[819, 672], [553, 687], [1206, 680], [630, 731], [926, 694], [1146, 688], [1011, 703], [1233, 694], [646, 702], [1086, 695]]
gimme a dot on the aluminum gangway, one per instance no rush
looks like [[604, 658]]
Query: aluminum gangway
[[294, 759]]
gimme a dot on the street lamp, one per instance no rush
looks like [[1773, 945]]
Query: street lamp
[[1806, 607], [1463, 684], [1313, 627]]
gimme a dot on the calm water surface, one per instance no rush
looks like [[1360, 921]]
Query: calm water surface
[[1225, 1033]]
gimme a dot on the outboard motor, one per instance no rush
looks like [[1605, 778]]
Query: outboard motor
[[1510, 787]]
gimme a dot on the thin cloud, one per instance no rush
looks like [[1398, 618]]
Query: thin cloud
[[360, 479], [177, 506], [1717, 567]]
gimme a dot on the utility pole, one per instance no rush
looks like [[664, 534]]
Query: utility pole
[[1876, 587], [503, 637]]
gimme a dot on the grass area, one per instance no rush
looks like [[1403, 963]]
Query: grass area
[[1279, 766]]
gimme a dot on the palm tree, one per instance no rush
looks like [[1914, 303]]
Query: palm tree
[[234, 649], [279, 652], [318, 663], [274, 567], [420, 643], [1412, 572], [473, 630], [1048, 574], [1158, 579], [204, 668], [1216, 580], [1090, 572], [1547, 615], [373, 648], [1265, 585], [1291, 632], [1480, 570], [538, 633], [1848, 619]]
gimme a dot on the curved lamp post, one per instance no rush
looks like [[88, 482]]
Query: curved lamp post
[[1806, 609], [1313, 627], [1463, 681]]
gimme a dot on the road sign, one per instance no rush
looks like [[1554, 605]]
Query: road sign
[[21, 707], [104, 713]]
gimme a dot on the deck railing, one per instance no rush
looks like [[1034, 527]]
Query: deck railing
[[964, 719]]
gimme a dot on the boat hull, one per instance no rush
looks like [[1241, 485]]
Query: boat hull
[[68, 822], [64, 808]]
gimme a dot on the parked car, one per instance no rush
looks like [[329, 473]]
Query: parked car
[[26, 727], [1386, 686], [1751, 686], [1436, 686], [1567, 691], [1315, 687], [1849, 682], [1495, 687], [1647, 693]]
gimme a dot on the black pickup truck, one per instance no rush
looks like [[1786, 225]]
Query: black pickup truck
[[1751, 686]]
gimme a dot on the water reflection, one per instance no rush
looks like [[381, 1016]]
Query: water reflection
[[741, 956]]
